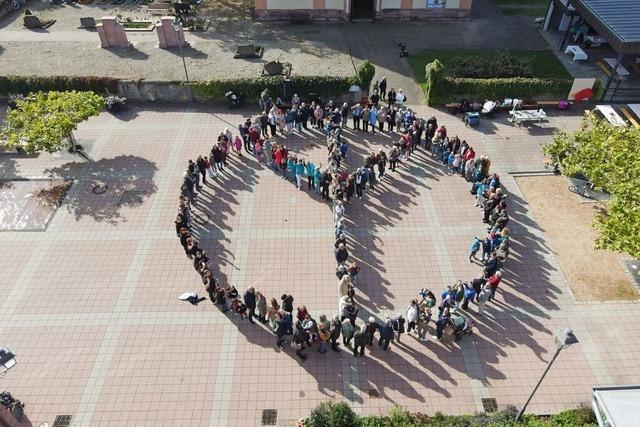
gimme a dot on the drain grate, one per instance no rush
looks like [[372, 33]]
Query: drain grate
[[62, 421], [269, 417], [489, 404], [132, 198], [373, 393]]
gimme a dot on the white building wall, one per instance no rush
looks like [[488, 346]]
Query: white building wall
[[334, 4], [390, 4], [289, 4]]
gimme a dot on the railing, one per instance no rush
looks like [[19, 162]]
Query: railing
[[622, 95]]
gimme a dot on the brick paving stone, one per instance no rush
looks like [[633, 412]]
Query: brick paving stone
[[99, 289]]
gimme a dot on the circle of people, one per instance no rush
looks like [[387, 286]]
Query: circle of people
[[258, 135]]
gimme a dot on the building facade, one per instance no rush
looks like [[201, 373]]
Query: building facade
[[362, 9]]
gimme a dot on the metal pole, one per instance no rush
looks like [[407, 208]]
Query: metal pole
[[184, 64], [613, 74], [519, 416]]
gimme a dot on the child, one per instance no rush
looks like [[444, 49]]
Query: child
[[237, 145], [343, 149], [474, 248], [450, 160]]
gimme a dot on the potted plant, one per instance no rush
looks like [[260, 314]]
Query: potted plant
[[115, 104]]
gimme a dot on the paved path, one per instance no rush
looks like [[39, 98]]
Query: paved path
[[91, 307], [317, 49]]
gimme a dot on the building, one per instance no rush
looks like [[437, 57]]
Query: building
[[337, 10]]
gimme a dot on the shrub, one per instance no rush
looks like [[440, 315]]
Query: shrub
[[365, 74], [442, 89], [330, 414], [481, 67], [250, 88], [28, 84]]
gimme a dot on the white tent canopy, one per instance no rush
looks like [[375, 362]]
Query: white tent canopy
[[617, 406]]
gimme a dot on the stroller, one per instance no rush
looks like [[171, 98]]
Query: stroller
[[460, 325]]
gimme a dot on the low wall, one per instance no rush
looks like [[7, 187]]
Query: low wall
[[286, 15], [423, 14], [152, 91]]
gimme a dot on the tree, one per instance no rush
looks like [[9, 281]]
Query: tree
[[365, 74], [607, 155], [46, 120]]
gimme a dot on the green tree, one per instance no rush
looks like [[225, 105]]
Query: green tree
[[46, 120], [365, 74], [607, 155]]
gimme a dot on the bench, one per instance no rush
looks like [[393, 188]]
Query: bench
[[603, 67], [630, 117], [32, 22]]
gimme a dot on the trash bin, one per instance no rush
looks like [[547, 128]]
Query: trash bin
[[355, 93]]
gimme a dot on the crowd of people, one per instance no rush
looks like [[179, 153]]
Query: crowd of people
[[258, 136]]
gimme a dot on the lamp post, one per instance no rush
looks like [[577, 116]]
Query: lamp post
[[564, 338], [177, 26]]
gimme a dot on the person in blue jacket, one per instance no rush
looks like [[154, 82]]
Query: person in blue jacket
[[373, 119], [310, 169]]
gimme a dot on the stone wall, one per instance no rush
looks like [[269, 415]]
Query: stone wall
[[312, 14], [423, 14], [150, 91]]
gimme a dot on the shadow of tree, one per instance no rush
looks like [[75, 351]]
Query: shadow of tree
[[107, 185]]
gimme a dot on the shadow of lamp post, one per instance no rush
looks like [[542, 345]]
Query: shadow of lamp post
[[177, 25], [564, 338]]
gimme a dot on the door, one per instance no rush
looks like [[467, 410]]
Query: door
[[362, 9]]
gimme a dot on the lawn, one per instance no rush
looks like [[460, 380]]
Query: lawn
[[543, 62]]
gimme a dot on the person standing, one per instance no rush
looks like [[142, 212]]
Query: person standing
[[261, 306], [300, 337], [334, 332], [360, 340], [272, 311], [287, 303], [373, 119], [299, 172], [281, 329], [356, 112], [441, 323], [391, 97], [398, 326], [348, 330], [483, 297], [383, 87], [365, 118], [386, 335], [424, 315], [250, 303], [412, 315], [371, 329]]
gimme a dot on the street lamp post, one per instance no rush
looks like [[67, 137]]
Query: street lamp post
[[564, 338], [177, 25]]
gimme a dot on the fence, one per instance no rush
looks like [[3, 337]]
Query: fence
[[621, 95]]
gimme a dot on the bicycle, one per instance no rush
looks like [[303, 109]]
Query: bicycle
[[585, 189]]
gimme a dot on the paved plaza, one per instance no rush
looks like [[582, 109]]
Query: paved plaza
[[90, 305]]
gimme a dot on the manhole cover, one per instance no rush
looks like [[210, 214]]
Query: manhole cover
[[132, 198], [269, 417], [373, 393], [489, 404], [99, 188], [62, 421]]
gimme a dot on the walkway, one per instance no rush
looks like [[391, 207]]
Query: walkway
[[90, 306]]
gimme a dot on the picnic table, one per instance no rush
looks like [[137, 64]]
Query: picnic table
[[635, 108], [578, 53], [621, 71], [611, 115]]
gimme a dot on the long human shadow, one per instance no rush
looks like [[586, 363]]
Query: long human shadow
[[107, 185]]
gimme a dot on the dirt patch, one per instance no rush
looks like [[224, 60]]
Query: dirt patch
[[593, 275]]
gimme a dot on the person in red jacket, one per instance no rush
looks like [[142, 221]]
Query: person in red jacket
[[493, 283]]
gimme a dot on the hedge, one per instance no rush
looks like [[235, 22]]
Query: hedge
[[27, 84], [330, 414], [251, 88], [441, 89]]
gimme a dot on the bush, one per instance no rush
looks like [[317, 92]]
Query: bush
[[25, 85], [365, 74], [481, 67], [442, 89], [330, 414], [251, 88]]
